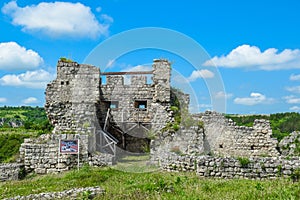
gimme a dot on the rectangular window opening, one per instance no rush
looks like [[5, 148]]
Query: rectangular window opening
[[141, 105], [113, 104]]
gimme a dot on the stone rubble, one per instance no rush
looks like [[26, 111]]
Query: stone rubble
[[72, 194]]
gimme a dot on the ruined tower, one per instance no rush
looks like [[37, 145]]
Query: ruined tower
[[78, 102]]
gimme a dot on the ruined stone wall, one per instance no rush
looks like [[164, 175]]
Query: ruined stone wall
[[228, 167], [11, 171], [223, 137], [42, 156], [127, 97], [183, 142], [290, 145], [72, 100]]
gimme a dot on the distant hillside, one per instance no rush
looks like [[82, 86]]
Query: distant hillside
[[18, 123], [282, 123], [24, 117]]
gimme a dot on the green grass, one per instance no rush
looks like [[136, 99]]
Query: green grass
[[156, 185], [136, 164]]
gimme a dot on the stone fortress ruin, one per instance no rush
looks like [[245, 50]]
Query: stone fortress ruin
[[79, 102], [111, 117]]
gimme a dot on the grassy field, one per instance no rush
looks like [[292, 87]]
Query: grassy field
[[155, 185]]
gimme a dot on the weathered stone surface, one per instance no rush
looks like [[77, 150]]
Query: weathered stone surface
[[11, 171], [75, 193], [223, 137], [288, 144], [205, 166], [77, 101], [42, 155]]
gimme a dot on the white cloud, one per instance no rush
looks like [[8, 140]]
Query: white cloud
[[98, 9], [107, 19], [222, 94], [205, 106], [294, 89], [292, 99], [254, 99], [252, 57], [295, 77], [30, 100], [295, 108], [31, 79], [14, 57], [203, 73], [137, 68], [57, 19], [2, 100]]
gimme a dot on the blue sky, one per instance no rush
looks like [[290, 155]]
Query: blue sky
[[253, 45]]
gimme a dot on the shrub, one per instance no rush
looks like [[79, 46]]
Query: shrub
[[244, 161], [295, 176], [64, 59], [279, 170], [9, 146]]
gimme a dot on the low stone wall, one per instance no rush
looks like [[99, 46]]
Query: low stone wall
[[42, 156], [256, 168], [185, 141], [75, 193], [11, 171], [224, 138]]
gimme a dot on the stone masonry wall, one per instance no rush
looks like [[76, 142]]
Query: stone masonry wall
[[42, 156], [223, 137], [11, 171], [225, 167], [72, 98], [183, 142], [138, 106], [127, 97]]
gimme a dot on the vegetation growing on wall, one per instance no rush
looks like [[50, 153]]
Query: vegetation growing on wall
[[64, 59], [182, 117]]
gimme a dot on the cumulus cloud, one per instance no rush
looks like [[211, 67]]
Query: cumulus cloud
[[30, 100], [107, 19], [295, 77], [222, 95], [294, 89], [15, 57], [58, 19], [295, 108], [254, 99], [203, 73], [292, 99], [31, 79], [3, 100], [252, 57]]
